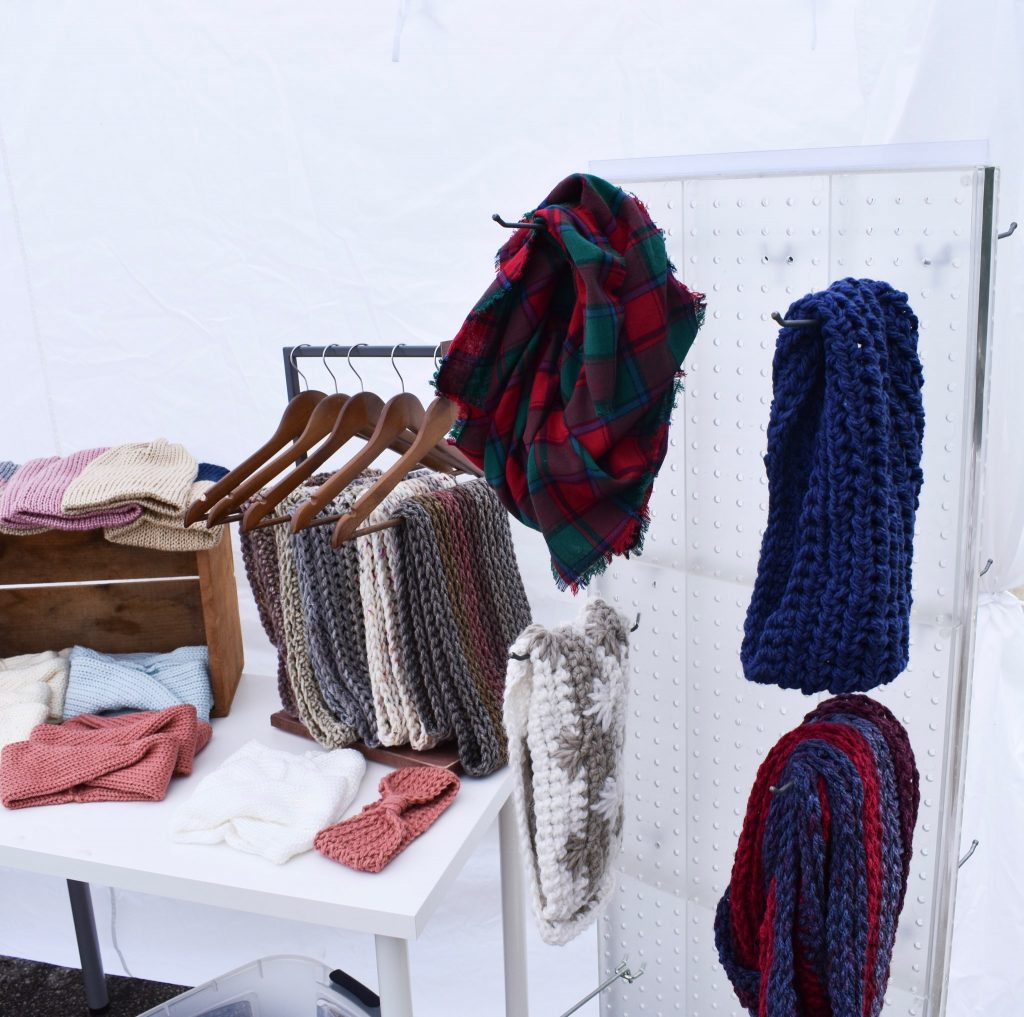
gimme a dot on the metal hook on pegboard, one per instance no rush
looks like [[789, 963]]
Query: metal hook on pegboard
[[793, 323], [967, 857], [1007, 233], [622, 971]]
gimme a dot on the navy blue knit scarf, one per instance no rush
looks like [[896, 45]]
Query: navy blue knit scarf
[[830, 609]]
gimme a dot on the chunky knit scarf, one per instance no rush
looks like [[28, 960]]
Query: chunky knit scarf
[[807, 925], [565, 373], [333, 615], [392, 680], [565, 711], [459, 586], [313, 710], [831, 604]]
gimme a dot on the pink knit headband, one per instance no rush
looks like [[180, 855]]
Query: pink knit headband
[[410, 801], [102, 759]]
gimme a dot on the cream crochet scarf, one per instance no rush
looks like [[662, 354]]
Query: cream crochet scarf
[[565, 712]]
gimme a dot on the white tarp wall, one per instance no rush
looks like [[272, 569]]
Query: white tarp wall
[[186, 188]]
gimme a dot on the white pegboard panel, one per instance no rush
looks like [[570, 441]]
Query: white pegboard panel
[[697, 729]]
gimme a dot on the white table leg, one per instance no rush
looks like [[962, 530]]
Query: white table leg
[[513, 914], [393, 976]]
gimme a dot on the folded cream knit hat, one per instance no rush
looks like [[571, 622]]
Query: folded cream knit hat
[[268, 802], [157, 475], [47, 670], [168, 532]]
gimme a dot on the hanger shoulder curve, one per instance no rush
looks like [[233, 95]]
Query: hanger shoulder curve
[[357, 417], [294, 419], [437, 422], [319, 424]]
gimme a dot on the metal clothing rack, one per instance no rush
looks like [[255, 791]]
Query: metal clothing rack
[[374, 350]]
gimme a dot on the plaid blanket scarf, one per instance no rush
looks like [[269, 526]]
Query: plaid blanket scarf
[[565, 373]]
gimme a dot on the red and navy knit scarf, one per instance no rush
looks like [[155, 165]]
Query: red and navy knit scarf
[[565, 373], [807, 925]]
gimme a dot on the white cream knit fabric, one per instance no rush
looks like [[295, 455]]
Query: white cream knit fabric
[[155, 474], [565, 714], [163, 532], [18, 717], [270, 803], [398, 721], [47, 670]]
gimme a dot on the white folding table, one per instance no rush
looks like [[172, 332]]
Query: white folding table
[[128, 846]]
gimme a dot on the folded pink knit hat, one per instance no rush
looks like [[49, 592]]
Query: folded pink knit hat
[[102, 759], [7, 470], [410, 801], [33, 496]]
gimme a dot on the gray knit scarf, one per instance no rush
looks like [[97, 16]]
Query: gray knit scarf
[[459, 584]]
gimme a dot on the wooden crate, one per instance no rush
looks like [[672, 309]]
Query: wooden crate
[[58, 589]]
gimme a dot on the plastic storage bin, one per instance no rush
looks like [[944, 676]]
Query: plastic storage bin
[[275, 987]]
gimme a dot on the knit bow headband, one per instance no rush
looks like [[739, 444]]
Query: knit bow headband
[[807, 924], [411, 800], [831, 605]]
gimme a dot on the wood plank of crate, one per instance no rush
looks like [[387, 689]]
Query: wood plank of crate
[[222, 625], [187, 598]]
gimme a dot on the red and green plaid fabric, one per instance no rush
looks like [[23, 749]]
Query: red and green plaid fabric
[[565, 373]]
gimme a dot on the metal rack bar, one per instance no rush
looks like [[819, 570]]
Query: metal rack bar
[[293, 353]]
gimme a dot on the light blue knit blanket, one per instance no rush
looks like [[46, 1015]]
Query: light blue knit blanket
[[104, 682]]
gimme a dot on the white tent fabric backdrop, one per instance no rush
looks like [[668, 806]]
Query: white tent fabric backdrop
[[186, 188]]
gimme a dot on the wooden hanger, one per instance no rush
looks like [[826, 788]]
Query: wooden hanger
[[359, 417], [320, 423], [402, 413], [293, 422], [437, 422]]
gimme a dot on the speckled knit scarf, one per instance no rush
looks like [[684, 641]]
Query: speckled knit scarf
[[831, 605], [458, 582], [403, 712], [312, 707], [333, 613], [262, 569], [565, 711], [807, 925]]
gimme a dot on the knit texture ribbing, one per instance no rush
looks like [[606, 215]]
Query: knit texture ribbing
[[270, 803], [102, 759], [831, 603], [329, 587], [411, 800], [35, 494], [808, 922], [47, 670], [103, 682], [392, 679], [565, 711], [314, 712], [162, 531], [155, 474], [259, 556], [449, 597], [7, 470]]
